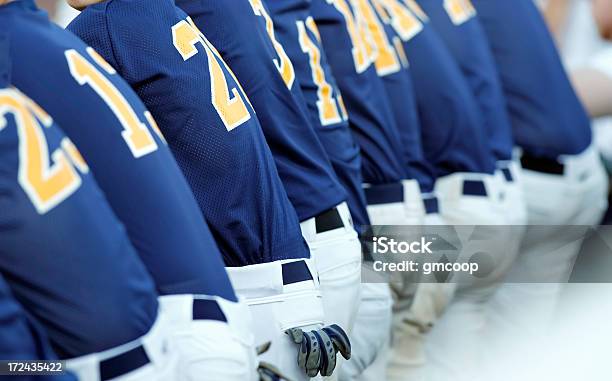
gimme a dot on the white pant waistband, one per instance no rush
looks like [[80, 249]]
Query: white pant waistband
[[112, 363], [309, 226]]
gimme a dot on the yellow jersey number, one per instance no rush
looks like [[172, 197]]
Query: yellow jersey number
[[135, 131], [228, 103], [283, 63], [459, 11], [405, 17], [47, 183], [362, 49], [388, 60], [331, 110]]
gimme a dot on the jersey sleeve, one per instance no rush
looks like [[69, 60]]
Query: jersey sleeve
[[370, 115], [210, 126], [463, 35], [62, 250], [127, 153], [268, 77], [292, 26], [547, 117]]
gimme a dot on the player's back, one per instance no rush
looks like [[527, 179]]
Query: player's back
[[392, 66], [547, 117], [453, 133], [458, 25], [207, 120], [121, 142], [297, 32], [267, 75], [370, 115], [62, 250]]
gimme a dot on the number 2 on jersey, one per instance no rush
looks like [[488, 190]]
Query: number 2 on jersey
[[229, 104], [46, 183]]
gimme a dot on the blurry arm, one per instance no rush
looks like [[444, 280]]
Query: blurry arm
[[556, 13], [594, 88], [48, 5]]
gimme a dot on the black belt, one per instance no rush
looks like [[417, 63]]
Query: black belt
[[294, 272], [384, 194], [474, 188], [543, 165], [328, 220], [124, 363], [203, 309]]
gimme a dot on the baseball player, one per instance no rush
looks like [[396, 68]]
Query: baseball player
[[268, 77], [217, 140], [457, 25], [143, 186], [456, 143], [64, 254], [21, 338], [351, 55], [297, 32], [392, 65], [563, 177]]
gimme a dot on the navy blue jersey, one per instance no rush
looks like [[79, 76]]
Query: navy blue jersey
[[267, 75], [63, 252], [457, 24], [547, 118], [351, 56], [296, 31], [207, 120], [130, 160], [21, 338], [392, 66], [453, 133]]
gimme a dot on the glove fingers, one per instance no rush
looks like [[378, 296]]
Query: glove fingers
[[296, 334], [328, 357], [340, 340], [310, 354]]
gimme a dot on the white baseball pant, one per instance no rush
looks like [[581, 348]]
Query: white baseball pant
[[336, 251], [213, 338], [395, 204], [576, 197], [453, 346], [148, 358], [281, 295]]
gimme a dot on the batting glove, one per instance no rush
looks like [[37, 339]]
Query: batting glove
[[318, 348]]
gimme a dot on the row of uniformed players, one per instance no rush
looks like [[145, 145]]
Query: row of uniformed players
[[123, 276]]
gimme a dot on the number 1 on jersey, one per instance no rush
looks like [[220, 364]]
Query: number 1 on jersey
[[329, 110], [135, 133]]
